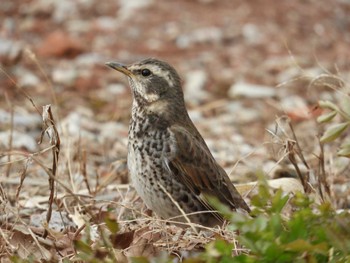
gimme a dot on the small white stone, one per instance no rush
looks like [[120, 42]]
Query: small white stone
[[109, 130], [194, 85], [19, 140], [88, 60], [196, 116], [28, 80], [106, 22], [65, 76], [200, 36], [9, 49], [252, 33], [115, 89], [20, 119], [77, 125], [128, 7], [244, 89]]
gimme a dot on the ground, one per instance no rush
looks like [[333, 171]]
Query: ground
[[249, 68]]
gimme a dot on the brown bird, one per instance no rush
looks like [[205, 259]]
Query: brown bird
[[170, 165]]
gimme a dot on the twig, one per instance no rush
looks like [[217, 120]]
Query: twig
[[50, 129], [83, 170], [21, 91], [290, 146], [322, 180], [10, 137], [23, 176]]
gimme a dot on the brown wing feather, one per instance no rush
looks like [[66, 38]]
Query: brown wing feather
[[198, 170]]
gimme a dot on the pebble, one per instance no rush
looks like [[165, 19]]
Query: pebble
[[252, 34], [288, 75], [194, 86], [28, 79], [115, 89], [10, 51], [22, 119], [128, 7], [19, 141], [88, 60], [245, 114], [110, 129], [64, 75], [36, 8], [106, 23], [196, 116], [200, 36], [59, 221], [293, 102], [244, 89], [78, 125], [64, 9]]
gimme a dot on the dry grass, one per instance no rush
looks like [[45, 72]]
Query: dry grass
[[59, 194]]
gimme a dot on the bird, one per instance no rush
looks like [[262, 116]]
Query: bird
[[170, 165]]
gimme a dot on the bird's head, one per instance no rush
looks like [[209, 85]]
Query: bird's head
[[151, 81]]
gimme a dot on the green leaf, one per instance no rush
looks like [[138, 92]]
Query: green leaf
[[83, 247], [334, 132], [223, 209], [279, 201], [276, 224], [344, 150], [301, 245], [223, 247], [139, 260], [345, 106], [326, 117], [298, 245], [112, 224], [262, 198], [328, 105], [193, 260]]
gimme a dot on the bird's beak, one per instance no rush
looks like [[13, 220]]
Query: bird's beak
[[120, 67]]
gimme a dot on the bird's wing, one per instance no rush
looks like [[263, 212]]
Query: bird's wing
[[192, 163]]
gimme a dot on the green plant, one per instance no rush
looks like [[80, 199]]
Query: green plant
[[336, 130], [312, 232]]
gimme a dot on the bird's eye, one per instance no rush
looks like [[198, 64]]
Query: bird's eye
[[146, 72]]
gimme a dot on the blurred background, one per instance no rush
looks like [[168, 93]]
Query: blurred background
[[244, 64]]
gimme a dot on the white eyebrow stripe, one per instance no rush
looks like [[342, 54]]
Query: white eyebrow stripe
[[156, 70]]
